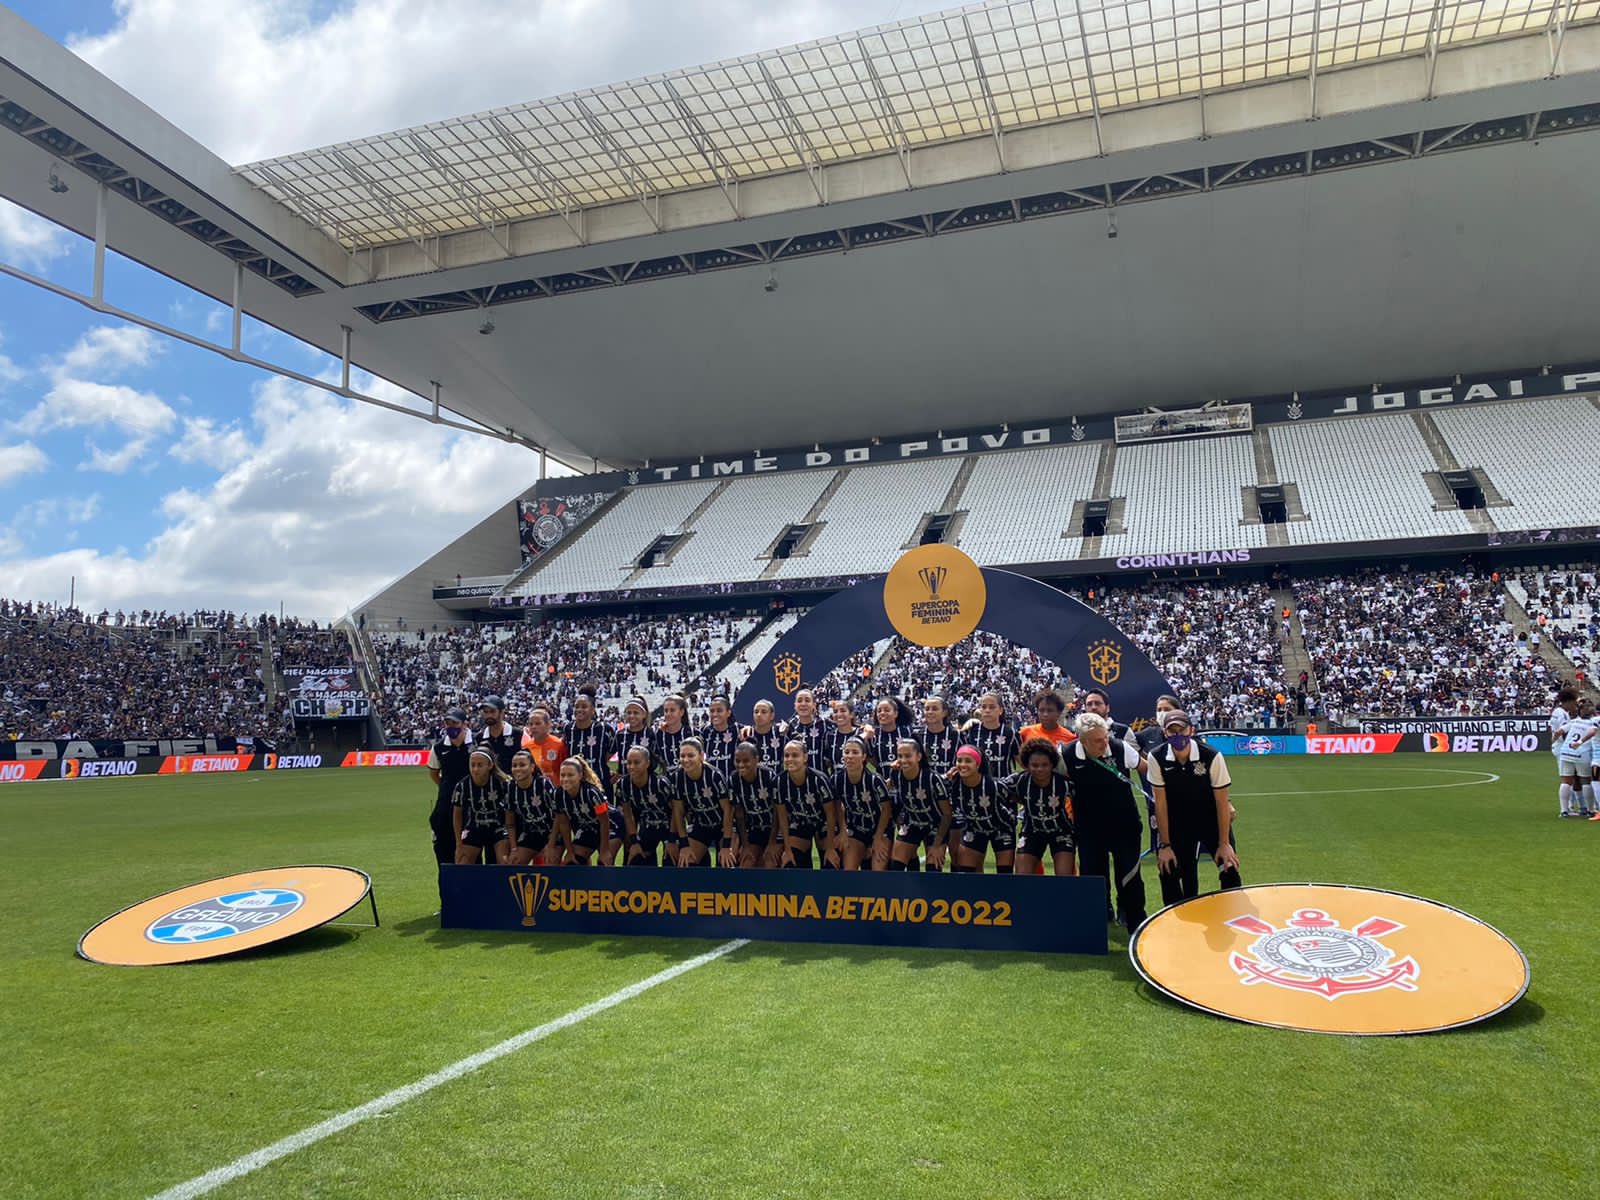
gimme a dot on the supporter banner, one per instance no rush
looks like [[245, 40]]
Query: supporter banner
[[321, 694], [543, 522], [1418, 395], [879, 908], [198, 764], [1499, 724], [84, 748], [385, 758]]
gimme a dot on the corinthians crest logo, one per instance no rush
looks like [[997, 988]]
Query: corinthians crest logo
[[1314, 954]]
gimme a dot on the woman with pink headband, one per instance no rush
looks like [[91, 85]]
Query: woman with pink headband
[[986, 811]]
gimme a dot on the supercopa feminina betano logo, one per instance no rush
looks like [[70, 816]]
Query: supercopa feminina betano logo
[[224, 916]]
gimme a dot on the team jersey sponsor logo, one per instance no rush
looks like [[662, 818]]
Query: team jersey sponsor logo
[[1314, 954], [225, 916], [1352, 743]]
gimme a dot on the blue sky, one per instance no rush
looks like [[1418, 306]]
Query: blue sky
[[156, 474]]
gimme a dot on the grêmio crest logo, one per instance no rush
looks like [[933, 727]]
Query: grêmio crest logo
[[530, 890], [224, 916], [1314, 954]]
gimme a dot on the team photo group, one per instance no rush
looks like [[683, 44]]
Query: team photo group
[[897, 793]]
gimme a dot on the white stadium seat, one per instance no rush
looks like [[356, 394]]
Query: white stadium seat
[[1019, 505]]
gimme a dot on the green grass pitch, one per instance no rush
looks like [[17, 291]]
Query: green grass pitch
[[778, 1070]]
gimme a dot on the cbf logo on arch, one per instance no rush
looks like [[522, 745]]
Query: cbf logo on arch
[[224, 916]]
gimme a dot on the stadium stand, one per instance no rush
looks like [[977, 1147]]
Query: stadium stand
[[754, 650], [872, 516], [1531, 450], [1565, 604], [730, 539], [1361, 480], [1418, 643], [1019, 505], [1183, 495]]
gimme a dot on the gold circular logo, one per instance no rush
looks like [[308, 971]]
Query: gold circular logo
[[1330, 959], [934, 595]]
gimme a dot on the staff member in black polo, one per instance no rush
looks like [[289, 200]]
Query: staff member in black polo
[[498, 736], [1105, 816], [1150, 739], [447, 766], [1191, 783]]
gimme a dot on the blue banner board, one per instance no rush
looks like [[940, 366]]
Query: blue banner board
[[1059, 914]]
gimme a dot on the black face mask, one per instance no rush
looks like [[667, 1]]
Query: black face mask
[[452, 732], [1178, 741]]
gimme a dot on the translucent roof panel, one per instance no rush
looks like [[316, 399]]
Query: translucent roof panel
[[962, 73]]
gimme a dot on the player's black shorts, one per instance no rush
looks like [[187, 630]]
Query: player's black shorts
[[1036, 844], [757, 837], [483, 836], [865, 836], [619, 827], [587, 836], [706, 835], [1003, 843], [803, 831], [652, 840], [915, 835], [533, 839]]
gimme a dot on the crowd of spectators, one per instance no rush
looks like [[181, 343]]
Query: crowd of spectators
[[297, 643], [1418, 643], [1564, 603], [420, 675], [68, 674]]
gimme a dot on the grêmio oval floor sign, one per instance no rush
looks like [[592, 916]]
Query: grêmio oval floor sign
[[1326, 958], [224, 916]]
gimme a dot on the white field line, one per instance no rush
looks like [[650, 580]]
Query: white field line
[[255, 1160], [1484, 777]]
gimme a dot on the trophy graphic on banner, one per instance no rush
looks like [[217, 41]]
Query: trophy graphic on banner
[[530, 891]]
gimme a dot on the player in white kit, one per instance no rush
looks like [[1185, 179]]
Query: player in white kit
[[1559, 716], [1576, 771]]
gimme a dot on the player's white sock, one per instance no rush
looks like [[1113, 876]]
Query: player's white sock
[[1586, 798], [1566, 799]]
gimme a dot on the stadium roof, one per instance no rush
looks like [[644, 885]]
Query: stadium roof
[[977, 71], [759, 253]]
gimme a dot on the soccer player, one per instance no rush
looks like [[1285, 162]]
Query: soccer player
[[891, 721], [841, 729], [765, 735], [590, 738], [720, 736], [479, 816], [531, 804], [806, 810], [1576, 771], [807, 728], [1049, 705], [1566, 700], [584, 807], [994, 736], [987, 813], [864, 804], [1193, 815], [447, 766], [753, 788], [548, 751], [1045, 798], [1105, 817], [646, 805], [669, 734], [939, 739], [497, 736], [921, 808], [636, 729], [701, 808]]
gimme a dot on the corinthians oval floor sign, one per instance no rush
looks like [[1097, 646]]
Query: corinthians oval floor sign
[[1330, 959], [224, 916]]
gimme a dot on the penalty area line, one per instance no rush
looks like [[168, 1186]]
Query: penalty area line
[[200, 1185]]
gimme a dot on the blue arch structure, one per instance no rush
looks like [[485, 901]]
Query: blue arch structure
[[1023, 610]]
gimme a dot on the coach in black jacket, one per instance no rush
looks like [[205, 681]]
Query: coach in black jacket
[[1106, 821], [1191, 782]]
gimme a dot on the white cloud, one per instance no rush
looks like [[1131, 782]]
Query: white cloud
[[332, 500], [80, 404], [22, 459], [28, 241], [203, 442], [107, 350], [114, 461], [59, 510], [263, 77]]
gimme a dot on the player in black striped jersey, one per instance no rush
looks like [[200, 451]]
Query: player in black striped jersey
[[669, 734], [590, 738], [865, 808], [921, 808], [891, 721], [636, 730], [701, 808], [806, 726], [585, 807], [765, 735], [986, 810], [1045, 799], [806, 810], [478, 811], [531, 803], [938, 737], [753, 789], [646, 804], [720, 735], [994, 736], [841, 728]]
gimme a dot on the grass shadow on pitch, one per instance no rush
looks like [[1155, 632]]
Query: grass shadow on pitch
[[312, 941]]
